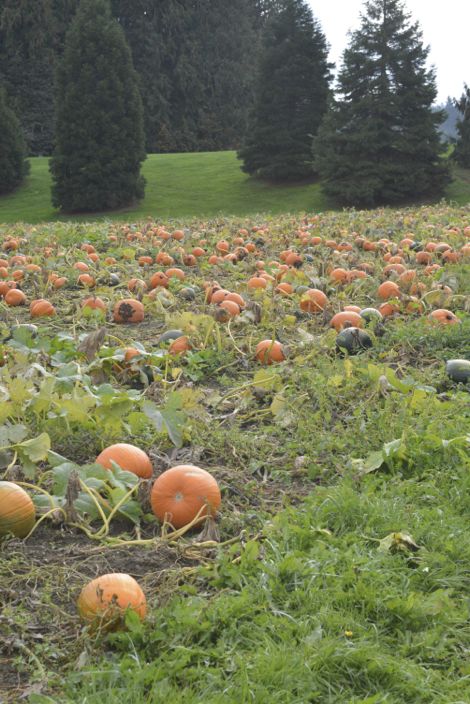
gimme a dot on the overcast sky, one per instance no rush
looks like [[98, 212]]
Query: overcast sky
[[445, 29]]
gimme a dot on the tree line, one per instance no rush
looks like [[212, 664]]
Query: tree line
[[98, 83]]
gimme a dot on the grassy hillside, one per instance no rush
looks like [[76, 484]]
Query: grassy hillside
[[189, 185], [178, 185]]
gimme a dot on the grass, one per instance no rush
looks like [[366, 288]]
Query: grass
[[189, 185], [178, 185], [340, 585]]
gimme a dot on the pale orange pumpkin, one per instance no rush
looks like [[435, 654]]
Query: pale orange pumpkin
[[108, 597]]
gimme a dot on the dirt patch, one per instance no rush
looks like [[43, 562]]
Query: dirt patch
[[40, 580]]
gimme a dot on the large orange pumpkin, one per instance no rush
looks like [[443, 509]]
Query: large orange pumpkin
[[128, 457], [181, 492], [17, 512], [108, 597]]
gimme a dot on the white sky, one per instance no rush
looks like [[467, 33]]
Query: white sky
[[445, 28]]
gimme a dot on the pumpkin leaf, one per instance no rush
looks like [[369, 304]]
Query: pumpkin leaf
[[267, 380], [398, 542]]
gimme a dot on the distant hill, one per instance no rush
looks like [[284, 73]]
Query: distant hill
[[448, 128]]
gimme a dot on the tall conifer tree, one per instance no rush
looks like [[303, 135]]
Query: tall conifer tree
[[291, 95], [379, 142], [462, 148], [13, 166], [99, 135]]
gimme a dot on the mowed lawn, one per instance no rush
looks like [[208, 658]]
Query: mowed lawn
[[178, 185], [189, 185]]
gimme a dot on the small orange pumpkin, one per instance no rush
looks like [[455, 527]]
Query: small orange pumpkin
[[313, 301], [94, 302], [180, 345], [108, 597], [443, 317], [345, 318], [269, 351]]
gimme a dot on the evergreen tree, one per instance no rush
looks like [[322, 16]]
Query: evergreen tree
[[379, 142], [291, 94], [462, 148], [13, 166], [99, 135], [31, 38]]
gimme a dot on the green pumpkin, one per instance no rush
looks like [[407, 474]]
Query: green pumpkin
[[458, 370], [353, 340]]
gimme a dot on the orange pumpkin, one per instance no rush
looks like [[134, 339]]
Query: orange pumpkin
[[128, 457], [175, 273], [313, 301], [443, 317], [108, 597], [41, 308], [136, 285], [159, 279], [94, 302], [15, 297], [86, 280], [180, 345], [17, 512], [129, 310], [389, 289], [59, 282], [181, 492], [257, 282], [232, 308], [236, 298], [269, 351], [345, 318]]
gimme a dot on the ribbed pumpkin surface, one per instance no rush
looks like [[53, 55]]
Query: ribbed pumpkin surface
[[179, 493], [111, 593], [17, 512]]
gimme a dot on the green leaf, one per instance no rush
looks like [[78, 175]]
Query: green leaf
[[35, 449], [372, 462], [267, 379], [60, 477]]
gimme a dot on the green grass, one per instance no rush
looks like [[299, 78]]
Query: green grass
[[189, 185], [178, 185]]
